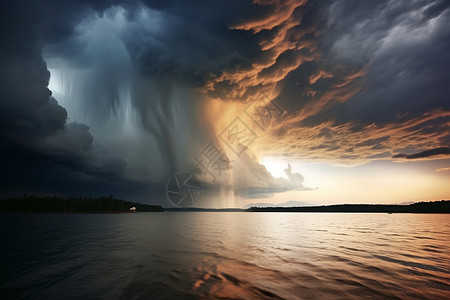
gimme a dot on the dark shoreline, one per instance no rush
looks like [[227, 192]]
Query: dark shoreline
[[55, 204], [440, 207], [70, 212], [59, 205]]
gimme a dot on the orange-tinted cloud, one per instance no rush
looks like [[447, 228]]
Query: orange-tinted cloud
[[282, 12], [321, 74], [443, 170], [280, 53], [347, 144], [309, 130]]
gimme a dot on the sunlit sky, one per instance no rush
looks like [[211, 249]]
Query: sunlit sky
[[374, 182], [320, 102]]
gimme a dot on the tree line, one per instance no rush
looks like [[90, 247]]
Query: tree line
[[71, 204], [442, 206]]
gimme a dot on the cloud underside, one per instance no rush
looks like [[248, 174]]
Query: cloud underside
[[441, 151], [353, 143]]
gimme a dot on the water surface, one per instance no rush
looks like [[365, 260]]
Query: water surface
[[225, 255]]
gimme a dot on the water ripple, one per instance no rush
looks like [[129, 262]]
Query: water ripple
[[225, 256]]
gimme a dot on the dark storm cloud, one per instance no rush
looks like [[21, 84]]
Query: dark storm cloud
[[41, 152], [370, 75], [407, 49], [404, 48], [160, 54], [425, 154]]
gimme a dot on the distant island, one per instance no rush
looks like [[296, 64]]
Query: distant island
[[55, 204], [442, 206]]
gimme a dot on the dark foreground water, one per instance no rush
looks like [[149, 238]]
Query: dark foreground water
[[224, 255]]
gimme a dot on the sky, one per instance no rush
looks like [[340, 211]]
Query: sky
[[261, 101]]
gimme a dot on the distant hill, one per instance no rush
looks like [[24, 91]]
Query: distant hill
[[283, 204], [32, 204], [442, 206]]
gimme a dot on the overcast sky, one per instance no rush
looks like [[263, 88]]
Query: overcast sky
[[264, 101]]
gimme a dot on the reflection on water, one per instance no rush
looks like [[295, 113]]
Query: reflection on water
[[224, 255]]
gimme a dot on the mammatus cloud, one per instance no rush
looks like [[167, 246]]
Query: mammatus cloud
[[441, 151]]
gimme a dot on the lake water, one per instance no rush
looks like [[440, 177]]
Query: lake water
[[225, 255]]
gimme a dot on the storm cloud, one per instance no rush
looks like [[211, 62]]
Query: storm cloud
[[115, 97]]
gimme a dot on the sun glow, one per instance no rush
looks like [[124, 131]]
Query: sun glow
[[275, 166]]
